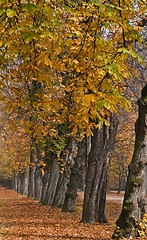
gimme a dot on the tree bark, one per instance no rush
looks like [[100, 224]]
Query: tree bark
[[96, 176], [15, 181], [61, 188], [135, 203], [45, 182], [24, 182], [52, 183], [69, 159], [31, 184], [37, 183], [75, 178], [38, 174], [19, 183]]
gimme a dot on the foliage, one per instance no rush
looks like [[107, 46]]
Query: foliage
[[81, 62], [14, 147], [64, 62], [139, 230], [140, 226], [117, 234]]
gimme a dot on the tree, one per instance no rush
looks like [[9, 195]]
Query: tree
[[86, 41], [96, 175], [77, 170], [14, 151], [134, 206]]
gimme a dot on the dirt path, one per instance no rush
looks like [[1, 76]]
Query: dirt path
[[117, 198], [23, 218], [112, 196]]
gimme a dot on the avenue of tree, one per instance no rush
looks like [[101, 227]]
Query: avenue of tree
[[65, 69]]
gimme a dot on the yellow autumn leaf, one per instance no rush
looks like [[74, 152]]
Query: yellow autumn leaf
[[74, 130]]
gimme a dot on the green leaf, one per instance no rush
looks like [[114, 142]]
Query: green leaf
[[32, 8], [107, 105], [133, 54], [2, 12], [30, 35], [11, 13], [112, 67], [141, 60], [27, 36]]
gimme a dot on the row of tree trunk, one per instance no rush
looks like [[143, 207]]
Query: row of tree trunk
[[46, 182]]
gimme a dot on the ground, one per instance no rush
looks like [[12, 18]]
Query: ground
[[23, 218]]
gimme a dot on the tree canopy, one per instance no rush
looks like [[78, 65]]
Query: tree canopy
[[63, 72], [63, 69], [65, 61]]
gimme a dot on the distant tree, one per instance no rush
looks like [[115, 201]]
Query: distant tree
[[123, 150]]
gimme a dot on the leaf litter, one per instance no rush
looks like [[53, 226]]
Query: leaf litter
[[23, 218]]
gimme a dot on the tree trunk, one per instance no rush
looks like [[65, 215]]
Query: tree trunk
[[135, 203], [61, 188], [124, 180], [75, 178], [15, 181], [37, 183], [38, 174], [96, 176], [120, 179], [52, 183], [19, 183], [69, 159], [108, 180], [100, 204], [45, 182], [24, 182], [31, 183]]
